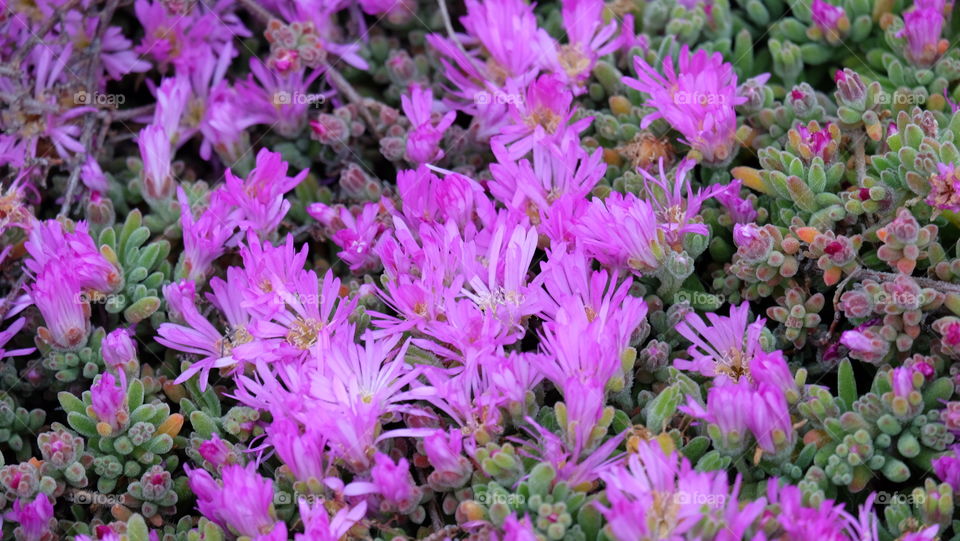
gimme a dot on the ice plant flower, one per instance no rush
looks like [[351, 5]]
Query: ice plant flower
[[945, 188], [676, 204], [156, 152], [588, 38], [242, 502], [424, 136], [622, 231], [319, 526], [50, 243], [34, 520], [947, 468], [65, 310], [109, 404], [741, 209], [302, 450], [660, 496], [394, 484], [697, 98], [119, 352], [921, 28], [205, 236], [830, 20], [260, 197], [726, 347], [445, 452], [542, 117], [728, 412]]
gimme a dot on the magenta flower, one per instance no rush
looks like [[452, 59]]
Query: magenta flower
[[532, 186], [588, 38], [260, 197], [205, 236], [444, 450], [356, 234], [830, 19], [676, 204], [652, 479], [922, 28], [395, 484], [728, 412], [769, 420], [279, 100], [697, 98], [34, 520], [242, 502], [50, 244], [424, 136], [109, 404], [741, 209], [318, 526], [216, 451], [118, 351], [622, 232], [198, 336], [723, 349], [947, 468], [303, 451], [65, 310], [429, 198], [542, 117], [156, 153], [945, 188]]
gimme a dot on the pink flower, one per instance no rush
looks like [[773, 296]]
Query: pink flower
[[242, 502], [356, 234], [50, 244], [156, 153], [8, 334], [302, 450], [260, 197], [831, 20], [424, 135], [922, 28], [542, 117], [66, 312], [445, 452], [622, 232], [945, 188], [588, 38], [395, 484], [426, 197], [118, 350], [279, 100], [723, 349], [318, 526], [676, 204], [205, 236], [216, 451], [729, 410], [947, 469], [109, 403], [34, 520], [697, 98]]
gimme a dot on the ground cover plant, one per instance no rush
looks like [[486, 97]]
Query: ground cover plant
[[482, 270]]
